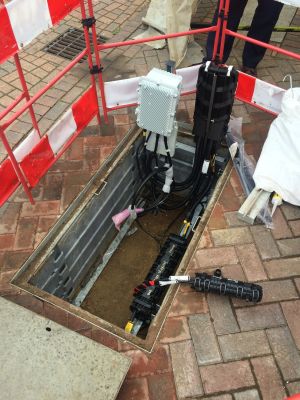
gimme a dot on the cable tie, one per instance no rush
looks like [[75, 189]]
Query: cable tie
[[96, 70], [88, 22]]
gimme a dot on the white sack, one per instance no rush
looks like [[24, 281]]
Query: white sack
[[179, 15], [295, 3], [170, 16], [278, 168]]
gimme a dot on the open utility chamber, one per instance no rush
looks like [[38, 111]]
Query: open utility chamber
[[89, 268]]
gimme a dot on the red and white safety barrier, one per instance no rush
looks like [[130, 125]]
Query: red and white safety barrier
[[21, 21], [260, 94], [36, 155]]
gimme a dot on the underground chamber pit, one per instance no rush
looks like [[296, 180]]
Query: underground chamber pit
[[134, 226], [86, 266]]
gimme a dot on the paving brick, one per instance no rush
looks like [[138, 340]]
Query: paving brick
[[188, 303], [212, 257], [291, 310], [162, 387], [295, 226], [228, 199], [232, 236], [204, 340], [205, 240], [14, 260], [251, 263], [293, 388], [121, 119], [144, 364], [283, 268], [265, 242], [7, 241], [134, 389], [233, 272], [105, 151], [281, 229], [26, 231], [260, 317], [232, 219], [289, 247], [174, 330], [59, 108], [251, 394], [278, 291], [53, 187], [185, 369], [9, 218], [268, 378], [77, 178], [40, 208], [285, 352], [69, 194], [45, 223], [217, 220], [226, 377], [243, 345], [290, 212], [221, 312], [92, 158], [64, 166]]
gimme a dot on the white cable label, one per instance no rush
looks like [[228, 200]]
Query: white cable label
[[205, 167]]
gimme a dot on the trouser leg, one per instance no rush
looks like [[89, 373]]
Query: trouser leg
[[265, 18], [236, 10]]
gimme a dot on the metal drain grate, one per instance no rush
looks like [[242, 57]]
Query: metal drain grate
[[70, 43]]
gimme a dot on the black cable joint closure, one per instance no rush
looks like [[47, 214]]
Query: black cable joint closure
[[96, 70], [88, 22]]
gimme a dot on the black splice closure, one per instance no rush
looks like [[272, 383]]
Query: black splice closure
[[96, 70], [88, 22], [227, 287]]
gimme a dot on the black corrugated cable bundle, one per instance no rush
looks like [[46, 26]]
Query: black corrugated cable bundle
[[203, 282], [146, 299], [216, 87], [226, 287]]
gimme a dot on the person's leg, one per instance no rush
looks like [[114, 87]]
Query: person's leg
[[265, 18], [235, 14]]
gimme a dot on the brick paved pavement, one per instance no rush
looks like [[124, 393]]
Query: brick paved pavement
[[210, 347]]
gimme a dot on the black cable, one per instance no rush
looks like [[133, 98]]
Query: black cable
[[168, 151], [135, 195], [155, 149]]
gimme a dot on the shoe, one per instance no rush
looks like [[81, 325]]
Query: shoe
[[249, 70]]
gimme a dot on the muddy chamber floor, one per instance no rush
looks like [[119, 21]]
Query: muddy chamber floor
[[112, 293]]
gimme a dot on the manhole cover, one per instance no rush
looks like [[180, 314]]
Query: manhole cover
[[70, 43]]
